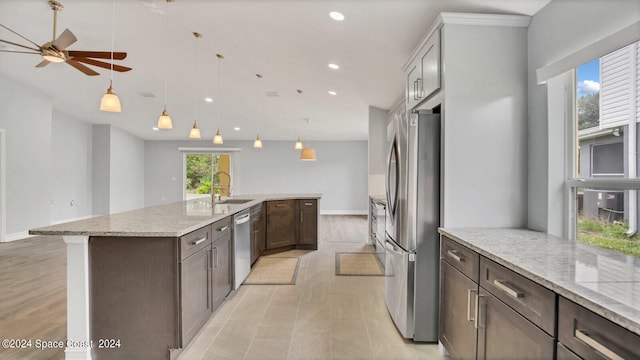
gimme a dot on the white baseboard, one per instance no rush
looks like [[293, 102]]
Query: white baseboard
[[17, 236], [343, 212]]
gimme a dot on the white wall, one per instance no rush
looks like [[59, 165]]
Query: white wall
[[71, 168], [118, 170], [26, 115], [484, 126], [126, 175], [558, 30], [339, 174]]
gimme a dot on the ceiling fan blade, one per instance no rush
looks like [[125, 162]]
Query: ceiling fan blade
[[22, 46], [24, 37], [65, 39], [102, 64], [98, 54], [82, 68], [43, 63], [20, 52]]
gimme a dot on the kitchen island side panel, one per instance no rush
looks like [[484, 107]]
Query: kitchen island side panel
[[134, 297]]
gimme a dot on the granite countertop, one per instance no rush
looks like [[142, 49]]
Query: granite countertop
[[168, 220], [382, 199], [602, 281]]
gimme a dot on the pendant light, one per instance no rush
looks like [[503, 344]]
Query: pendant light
[[164, 121], [298, 145], [258, 143], [110, 101], [217, 139], [195, 132], [308, 153]]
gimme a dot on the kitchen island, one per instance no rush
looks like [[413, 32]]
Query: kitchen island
[[141, 283], [536, 294]]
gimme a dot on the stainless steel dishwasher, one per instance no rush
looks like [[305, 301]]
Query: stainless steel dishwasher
[[241, 247]]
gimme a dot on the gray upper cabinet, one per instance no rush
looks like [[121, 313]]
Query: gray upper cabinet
[[423, 73]]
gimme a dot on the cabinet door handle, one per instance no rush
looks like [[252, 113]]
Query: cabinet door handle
[[215, 257], [209, 260], [584, 337], [477, 319], [199, 241], [308, 204], [419, 90], [415, 89], [281, 205], [500, 284], [223, 228], [469, 292], [301, 216], [454, 254]]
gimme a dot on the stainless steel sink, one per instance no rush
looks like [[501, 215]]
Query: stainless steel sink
[[234, 201]]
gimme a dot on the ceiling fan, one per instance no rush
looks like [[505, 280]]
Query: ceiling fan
[[54, 50]]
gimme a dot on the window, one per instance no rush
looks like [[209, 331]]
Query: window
[[204, 171], [603, 151]]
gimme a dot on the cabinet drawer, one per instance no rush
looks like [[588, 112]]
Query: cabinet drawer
[[194, 241], [532, 300], [591, 336], [221, 228], [461, 257], [281, 205]]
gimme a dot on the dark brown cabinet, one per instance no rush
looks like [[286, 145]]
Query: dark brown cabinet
[[308, 223], [195, 282], [195, 290], [257, 232], [590, 336], [281, 223], [505, 334], [457, 310], [489, 312], [220, 264]]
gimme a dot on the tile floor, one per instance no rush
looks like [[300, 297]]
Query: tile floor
[[323, 316]]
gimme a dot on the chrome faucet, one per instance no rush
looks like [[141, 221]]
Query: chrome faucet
[[213, 187]]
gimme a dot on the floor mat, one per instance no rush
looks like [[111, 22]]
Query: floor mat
[[273, 271], [358, 264]]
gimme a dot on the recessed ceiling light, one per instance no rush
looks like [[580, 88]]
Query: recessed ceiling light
[[155, 128], [237, 128], [208, 99], [336, 16], [331, 92], [334, 66]]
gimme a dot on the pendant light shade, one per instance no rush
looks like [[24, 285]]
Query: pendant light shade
[[218, 138], [110, 101], [298, 144], [195, 132], [258, 143], [164, 121], [308, 154]]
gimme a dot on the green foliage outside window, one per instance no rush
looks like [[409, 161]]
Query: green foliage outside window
[[200, 168]]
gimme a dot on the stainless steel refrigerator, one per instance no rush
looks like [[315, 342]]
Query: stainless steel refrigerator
[[412, 221]]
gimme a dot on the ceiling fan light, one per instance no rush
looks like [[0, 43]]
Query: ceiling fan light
[[298, 145], [308, 154], [54, 58], [110, 101], [164, 121], [195, 132], [258, 143], [218, 138]]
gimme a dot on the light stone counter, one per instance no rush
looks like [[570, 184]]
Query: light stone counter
[[602, 281], [169, 220]]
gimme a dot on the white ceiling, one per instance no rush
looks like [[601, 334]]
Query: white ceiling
[[289, 42]]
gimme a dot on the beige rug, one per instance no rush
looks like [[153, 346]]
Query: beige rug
[[358, 264], [273, 271]]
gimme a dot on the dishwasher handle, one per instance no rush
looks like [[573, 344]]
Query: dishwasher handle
[[242, 219]]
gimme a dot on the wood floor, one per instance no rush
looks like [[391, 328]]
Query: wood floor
[[323, 316]]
